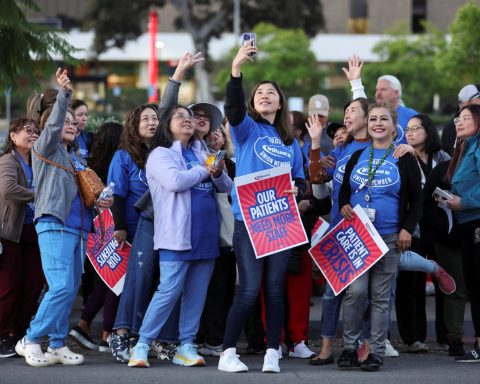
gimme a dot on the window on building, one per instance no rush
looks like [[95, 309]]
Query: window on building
[[419, 14]]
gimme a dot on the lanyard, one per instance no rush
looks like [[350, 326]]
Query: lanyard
[[371, 173]]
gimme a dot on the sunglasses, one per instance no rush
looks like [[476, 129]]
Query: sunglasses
[[32, 130]]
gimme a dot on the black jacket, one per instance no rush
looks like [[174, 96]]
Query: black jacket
[[410, 189]]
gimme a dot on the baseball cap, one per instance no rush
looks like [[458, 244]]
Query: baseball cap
[[216, 117], [318, 104], [468, 92], [332, 128]]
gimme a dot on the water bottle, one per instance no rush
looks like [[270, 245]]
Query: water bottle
[[107, 192]]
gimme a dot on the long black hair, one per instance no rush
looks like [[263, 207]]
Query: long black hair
[[432, 142], [104, 144]]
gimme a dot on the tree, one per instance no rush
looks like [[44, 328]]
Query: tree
[[26, 47], [203, 19], [117, 21], [412, 60], [460, 64], [284, 57]]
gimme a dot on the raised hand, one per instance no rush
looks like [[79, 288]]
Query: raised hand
[[186, 62], [315, 128], [244, 53], [62, 79], [354, 70]]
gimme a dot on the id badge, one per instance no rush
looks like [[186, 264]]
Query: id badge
[[370, 213]]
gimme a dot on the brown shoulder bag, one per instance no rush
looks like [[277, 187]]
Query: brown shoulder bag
[[89, 184]]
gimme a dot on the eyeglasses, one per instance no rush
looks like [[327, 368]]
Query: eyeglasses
[[73, 124], [413, 128], [182, 117], [32, 130], [457, 120], [203, 116]]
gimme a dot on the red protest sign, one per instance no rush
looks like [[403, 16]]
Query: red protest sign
[[104, 252], [270, 215], [349, 250]]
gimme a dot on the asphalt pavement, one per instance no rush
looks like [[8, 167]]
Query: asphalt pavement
[[434, 367]]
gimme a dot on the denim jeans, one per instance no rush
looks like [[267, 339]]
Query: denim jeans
[[62, 254], [331, 305], [139, 283], [412, 261], [188, 279], [375, 285], [251, 270]]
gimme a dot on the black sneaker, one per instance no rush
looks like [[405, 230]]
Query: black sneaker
[[372, 364], [82, 338], [472, 356], [104, 347], [120, 345], [348, 358], [6, 349], [455, 348], [256, 350]]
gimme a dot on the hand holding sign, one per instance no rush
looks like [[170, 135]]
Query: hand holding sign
[[108, 256]]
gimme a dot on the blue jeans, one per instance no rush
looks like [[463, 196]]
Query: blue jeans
[[331, 305], [62, 254], [374, 285], [412, 261], [188, 279], [251, 270], [138, 285]]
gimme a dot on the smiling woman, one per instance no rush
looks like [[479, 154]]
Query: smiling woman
[[263, 139], [21, 279], [390, 193]]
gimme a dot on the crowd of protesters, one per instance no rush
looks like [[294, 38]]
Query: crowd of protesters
[[193, 282]]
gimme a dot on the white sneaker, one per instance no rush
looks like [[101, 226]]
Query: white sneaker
[[389, 350], [63, 356], [229, 362], [301, 351], [32, 352], [270, 361]]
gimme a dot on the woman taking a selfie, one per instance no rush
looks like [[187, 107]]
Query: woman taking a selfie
[[263, 126]]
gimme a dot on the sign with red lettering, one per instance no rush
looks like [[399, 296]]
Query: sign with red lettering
[[107, 256], [270, 215], [349, 250]]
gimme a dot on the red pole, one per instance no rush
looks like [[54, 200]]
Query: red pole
[[152, 60]]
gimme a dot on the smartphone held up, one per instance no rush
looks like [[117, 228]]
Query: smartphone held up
[[250, 38]]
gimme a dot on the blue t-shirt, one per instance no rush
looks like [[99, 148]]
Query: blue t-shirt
[[306, 151], [82, 145], [404, 115], [74, 218], [258, 146], [30, 212], [341, 154], [384, 193], [130, 184], [205, 225]]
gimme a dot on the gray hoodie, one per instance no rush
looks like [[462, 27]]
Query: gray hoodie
[[55, 188]]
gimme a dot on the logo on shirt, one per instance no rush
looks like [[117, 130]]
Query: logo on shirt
[[273, 152], [340, 169], [385, 176], [400, 134], [203, 185]]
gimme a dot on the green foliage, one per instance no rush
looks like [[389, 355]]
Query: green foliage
[[412, 60], [117, 21], [21, 42], [460, 64], [284, 57]]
